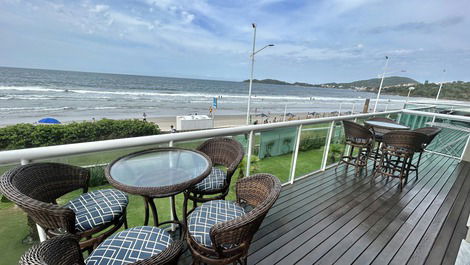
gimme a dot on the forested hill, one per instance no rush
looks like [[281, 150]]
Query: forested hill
[[395, 85], [373, 83], [369, 84], [457, 90]]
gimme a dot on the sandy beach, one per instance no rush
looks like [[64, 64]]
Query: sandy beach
[[222, 121]]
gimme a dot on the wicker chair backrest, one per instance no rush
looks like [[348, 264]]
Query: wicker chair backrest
[[357, 133], [35, 188], [431, 133], [60, 250], [408, 141], [260, 191], [223, 151]]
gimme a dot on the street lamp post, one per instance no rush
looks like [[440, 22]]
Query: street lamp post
[[381, 83], [440, 87], [248, 120], [411, 88]]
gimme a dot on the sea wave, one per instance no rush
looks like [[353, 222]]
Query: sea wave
[[180, 95]]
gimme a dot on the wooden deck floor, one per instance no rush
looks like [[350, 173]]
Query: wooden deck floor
[[333, 218]]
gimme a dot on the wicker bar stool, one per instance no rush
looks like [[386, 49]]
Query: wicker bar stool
[[378, 136], [220, 232], [36, 187], [139, 245], [397, 150], [431, 133], [224, 152], [357, 136]]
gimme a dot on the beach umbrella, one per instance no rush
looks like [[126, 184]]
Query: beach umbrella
[[49, 121], [262, 115], [290, 114]]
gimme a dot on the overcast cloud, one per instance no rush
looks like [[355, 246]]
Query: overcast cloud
[[315, 41]]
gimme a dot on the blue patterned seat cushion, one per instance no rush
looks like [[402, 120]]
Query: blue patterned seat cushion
[[201, 220], [215, 181], [131, 245], [98, 207]]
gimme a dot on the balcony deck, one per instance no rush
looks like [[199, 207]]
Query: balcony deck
[[342, 219], [330, 218]]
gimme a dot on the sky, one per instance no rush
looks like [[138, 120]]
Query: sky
[[315, 41]]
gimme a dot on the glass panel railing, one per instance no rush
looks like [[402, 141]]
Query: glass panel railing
[[452, 139], [414, 121], [99, 158], [336, 144], [273, 153], [311, 146]]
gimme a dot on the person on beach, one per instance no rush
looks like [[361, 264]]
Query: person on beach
[[172, 129], [144, 117]]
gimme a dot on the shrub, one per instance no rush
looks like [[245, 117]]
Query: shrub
[[27, 135], [97, 177], [311, 143]]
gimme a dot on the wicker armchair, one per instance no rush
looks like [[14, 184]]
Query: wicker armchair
[[224, 152], [398, 150], [36, 187], [65, 250], [357, 136], [220, 232]]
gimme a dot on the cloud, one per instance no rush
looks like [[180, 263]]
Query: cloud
[[210, 36], [419, 26], [99, 8]]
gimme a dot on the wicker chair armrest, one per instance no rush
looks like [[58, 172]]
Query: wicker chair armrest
[[53, 216], [60, 250], [168, 256], [234, 165], [236, 232]]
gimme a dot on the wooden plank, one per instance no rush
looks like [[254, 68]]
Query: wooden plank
[[460, 232], [286, 225], [317, 184], [313, 226], [374, 232], [323, 230], [439, 248], [342, 238], [386, 244], [424, 247], [309, 198], [408, 237]]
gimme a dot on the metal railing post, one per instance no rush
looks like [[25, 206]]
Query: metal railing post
[[41, 232], [293, 163], [172, 213], [327, 146], [248, 157]]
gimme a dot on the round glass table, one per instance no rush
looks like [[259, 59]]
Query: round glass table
[[158, 173]]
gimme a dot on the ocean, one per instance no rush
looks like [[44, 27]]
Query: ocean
[[27, 95]]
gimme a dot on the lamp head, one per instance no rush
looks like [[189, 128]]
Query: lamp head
[[411, 88], [271, 45], [253, 25]]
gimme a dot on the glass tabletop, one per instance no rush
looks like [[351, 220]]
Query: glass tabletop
[[388, 125], [159, 168]]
